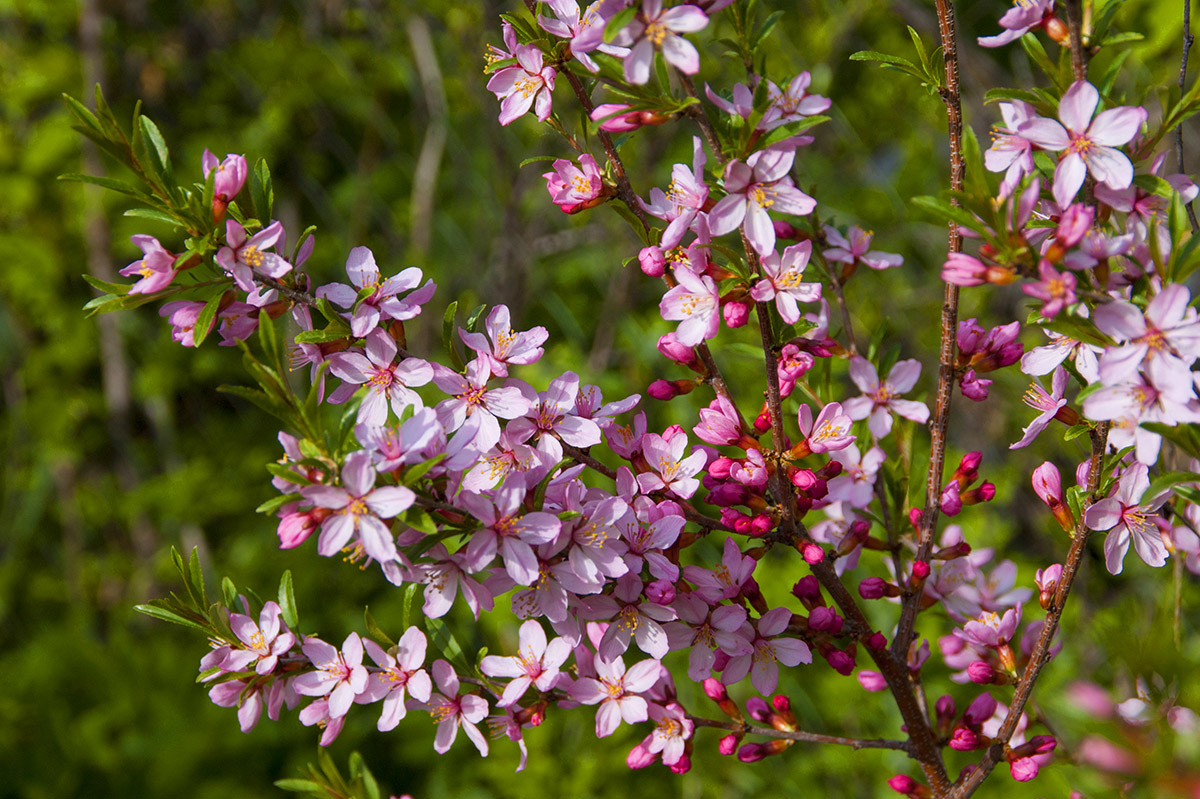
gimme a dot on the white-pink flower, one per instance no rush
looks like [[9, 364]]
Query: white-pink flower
[[768, 652], [672, 470], [359, 508], [695, 303], [340, 675], [398, 676], [616, 691], [1129, 517], [537, 663], [387, 382], [783, 281], [450, 710], [1089, 143], [655, 29], [752, 187], [525, 85], [878, 400]]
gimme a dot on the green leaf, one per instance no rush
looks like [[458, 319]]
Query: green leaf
[[197, 576], [1182, 436], [448, 325], [163, 614], [275, 503], [764, 30], [418, 470], [474, 317], [1164, 482], [419, 520], [331, 333], [229, 593], [258, 398], [82, 113], [409, 592], [296, 785], [204, 322], [1033, 48], [287, 601], [156, 215], [535, 159], [119, 186], [376, 631], [104, 285], [447, 644], [996, 95], [886, 60], [619, 21], [950, 213], [262, 194]]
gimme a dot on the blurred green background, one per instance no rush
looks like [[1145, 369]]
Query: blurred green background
[[378, 129]]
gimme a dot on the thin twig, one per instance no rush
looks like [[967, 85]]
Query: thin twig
[[1075, 27], [1041, 651], [800, 735], [1188, 38], [945, 386]]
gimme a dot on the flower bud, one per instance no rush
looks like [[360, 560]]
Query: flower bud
[[944, 707], [719, 468], [877, 588], [758, 709], [670, 347], [877, 641], [640, 757], [681, 766], [662, 390], [661, 592], [735, 313], [1023, 769], [728, 744], [652, 261], [842, 662], [762, 524], [785, 230], [1073, 224], [730, 518], [980, 710], [813, 554], [728, 494], [872, 681], [821, 619], [964, 740], [751, 753], [808, 591], [920, 569], [981, 673], [1047, 584], [902, 783], [974, 387]]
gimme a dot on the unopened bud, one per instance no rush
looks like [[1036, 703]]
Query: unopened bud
[[735, 313], [920, 569], [1047, 584], [842, 662], [762, 524], [808, 591], [652, 261], [877, 641], [872, 681], [728, 744], [671, 348], [981, 673], [813, 554], [964, 740]]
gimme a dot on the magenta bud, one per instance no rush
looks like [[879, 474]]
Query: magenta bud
[[735, 314], [751, 753], [640, 757], [841, 662], [758, 709], [1074, 224], [730, 518], [914, 517], [981, 673], [662, 390], [974, 387], [902, 783], [762, 524], [819, 489], [964, 740], [742, 525], [682, 766], [807, 590], [762, 422], [714, 689], [785, 230], [830, 470], [813, 554], [873, 588], [728, 494], [945, 708], [804, 479], [877, 641], [670, 347], [920, 569], [652, 261], [980, 710], [821, 619], [970, 462], [727, 745], [720, 466], [661, 592], [872, 681], [1023, 769], [781, 703]]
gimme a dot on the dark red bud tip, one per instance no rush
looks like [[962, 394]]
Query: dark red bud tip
[[813, 554], [727, 745], [920, 569], [751, 753], [902, 783], [781, 703], [877, 641]]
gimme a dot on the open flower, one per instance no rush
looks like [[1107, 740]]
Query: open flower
[[525, 85], [156, 267], [359, 508], [1089, 143], [340, 675], [752, 187], [657, 29], [1129, 517], [878, 400], [783, 281], [537, 663]]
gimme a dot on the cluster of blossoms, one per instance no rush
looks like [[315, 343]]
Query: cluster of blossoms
[[468, 483]]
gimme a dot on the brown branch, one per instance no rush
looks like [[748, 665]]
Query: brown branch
[[800, 735], [1188, 38], [1075, 28], [698, 113], [941, 415], [1041, 651]]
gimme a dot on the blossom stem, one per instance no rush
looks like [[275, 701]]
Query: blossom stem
[[1041, 651], [800, 735], [1074, 10], [1188, 38], [946, 356]]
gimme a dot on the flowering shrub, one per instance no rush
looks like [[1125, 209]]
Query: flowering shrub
[[449, 475]]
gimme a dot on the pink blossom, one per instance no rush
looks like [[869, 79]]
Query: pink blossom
[[616, 691], [387, 382], [1126, 515], [507, 531], [672, 471], [183, 316], [318, 713], [586, 32], [1019, 20], [469, 395], [793, 103], [752, 187], [856, 484], [399, 675], [1090, 143], [1168, 330], [233, 693], [878, 400], [575, 188], [1052, 406], [694, 302], [340, 675], [552, 412], [830, 431], [727, 580], [703, 631], [359, 509], [655, 28], [633, 618], [683, 200], [783, 281], [156, 267], [230, 177], [451, 710], [769, 652], [243, 255], [1011, 152], [384, 300], [443, 576], [525, 85], [670, 734], [537, 663], [857, 249], [1043, 360], [1055, 289], [264, 641]]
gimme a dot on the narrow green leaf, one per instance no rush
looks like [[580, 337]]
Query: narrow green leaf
[[331, 333], [409, 592], [104, 285], [204, 322], [1167, 481], [197, 576], [619, 21], [157, 149], [446, 643], [296, 785], [418, 470], [275, 503], [229, 593], [82, 113], [287, 601], [165, 615], [262, 194], [448, 325], [156, 215], [376, 631], [119, 186], [537, 158]]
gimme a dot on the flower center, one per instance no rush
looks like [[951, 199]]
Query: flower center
[[251, 256]]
